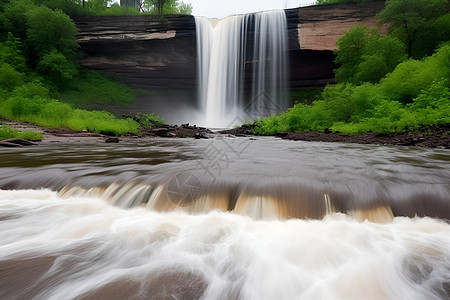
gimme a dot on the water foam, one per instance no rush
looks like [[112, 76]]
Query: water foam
[[84, 248]]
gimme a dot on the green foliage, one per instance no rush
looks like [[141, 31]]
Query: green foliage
[[9, 77], [380, 56], [167, 7], [15, 15], [56, 67], [148, 119], [100, 121], [304, 96], [91, 88], [38, 57], [10, 52], [364, 56], [350, 52], [412, 76], [70, 7], [117, 10], [7, 132], [51, 29], [54, 114], [414, 95], [30, 90], [415, 23]]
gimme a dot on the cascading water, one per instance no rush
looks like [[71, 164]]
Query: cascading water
[[279, 220], [241, 67]]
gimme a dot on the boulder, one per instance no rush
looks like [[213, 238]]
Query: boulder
[[111, 140]]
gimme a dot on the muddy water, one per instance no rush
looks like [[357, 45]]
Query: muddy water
[[224, 219], [263, 178]]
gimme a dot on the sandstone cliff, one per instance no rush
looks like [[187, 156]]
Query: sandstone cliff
[[160, 57]]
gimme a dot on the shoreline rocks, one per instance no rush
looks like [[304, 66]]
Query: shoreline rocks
[[436, 137], [15, 142]]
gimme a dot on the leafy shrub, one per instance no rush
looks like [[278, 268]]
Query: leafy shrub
[[149, 119], [9, 77], [414, 95], [91, 88]]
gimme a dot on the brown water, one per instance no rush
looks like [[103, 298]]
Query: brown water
[[224, 219], [263, 178]]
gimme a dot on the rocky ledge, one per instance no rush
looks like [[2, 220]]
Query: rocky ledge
[[435, 137]]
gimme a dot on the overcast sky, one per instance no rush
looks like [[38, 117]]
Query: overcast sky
[[224, 8]]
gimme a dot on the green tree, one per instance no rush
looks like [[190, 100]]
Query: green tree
[[51, 29], [70, 7], [166, 7], [11, 53], [55, 66], [9, 77], [15, 17], [350, 52], [364, 56], [380, 56], [412, 21]]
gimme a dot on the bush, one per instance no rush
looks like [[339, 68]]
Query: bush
[[149, 119], [92, 88], [414, 95], [10, 78]]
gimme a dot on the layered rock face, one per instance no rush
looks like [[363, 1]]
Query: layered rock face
[[313, 32], [159, 57]]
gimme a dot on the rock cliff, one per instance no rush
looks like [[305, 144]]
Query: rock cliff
[[160, 57]]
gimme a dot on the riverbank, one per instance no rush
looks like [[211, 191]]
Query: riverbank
[[437, 137]]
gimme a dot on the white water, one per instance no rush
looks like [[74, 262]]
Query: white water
[[224, 56], [83, 248]]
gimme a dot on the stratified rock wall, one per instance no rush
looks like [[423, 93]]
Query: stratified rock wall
[[313, 32], [150, 54], [160, 57]]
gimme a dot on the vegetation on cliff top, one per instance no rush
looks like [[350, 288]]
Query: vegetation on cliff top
[[109, 8], [385, 84]]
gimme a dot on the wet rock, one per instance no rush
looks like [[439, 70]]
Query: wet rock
[[17, 141], [162, 132], [112, 140], [281, 134], [9, 145], [200, 135]]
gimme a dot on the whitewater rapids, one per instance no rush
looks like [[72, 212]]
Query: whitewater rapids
[[84, 248]]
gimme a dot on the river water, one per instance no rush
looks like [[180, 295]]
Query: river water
[[225, 218]]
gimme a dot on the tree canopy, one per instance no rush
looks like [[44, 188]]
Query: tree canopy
[[420, 24], [166, 7], [365, 56]]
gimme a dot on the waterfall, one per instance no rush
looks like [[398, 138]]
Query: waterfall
[[242, 63]]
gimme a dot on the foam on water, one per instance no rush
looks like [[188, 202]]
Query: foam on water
[[85, 248]]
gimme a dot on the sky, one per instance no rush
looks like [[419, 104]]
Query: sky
[[221, 9]]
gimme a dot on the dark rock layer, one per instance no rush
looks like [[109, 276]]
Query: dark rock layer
[[160, 57]]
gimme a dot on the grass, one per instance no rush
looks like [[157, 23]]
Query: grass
[[6, 132], [92, 88], [148, 120], [51, 113]]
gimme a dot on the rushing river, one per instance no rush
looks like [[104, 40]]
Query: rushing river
[[230, 218]]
